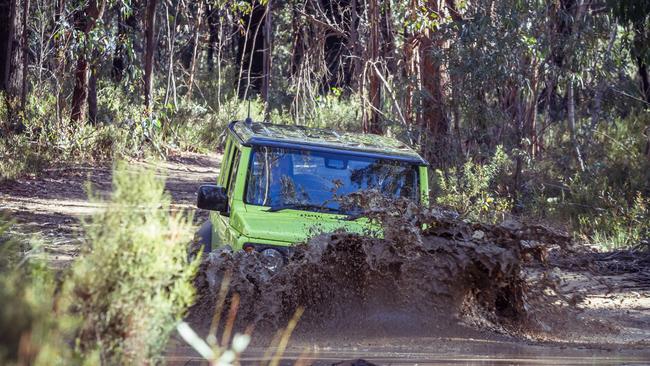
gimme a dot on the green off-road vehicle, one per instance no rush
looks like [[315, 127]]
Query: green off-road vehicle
[[281, 184]]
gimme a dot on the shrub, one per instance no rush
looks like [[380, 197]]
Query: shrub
[[470, 191], [621, 225], [133, 283], [34, 326], [607, 203]]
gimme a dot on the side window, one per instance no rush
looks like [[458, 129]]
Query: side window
[[233, 172]]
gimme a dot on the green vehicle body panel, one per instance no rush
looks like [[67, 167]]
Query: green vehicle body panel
[[247, 223]]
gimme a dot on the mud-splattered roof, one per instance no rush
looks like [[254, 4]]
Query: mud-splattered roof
[[294, 136]]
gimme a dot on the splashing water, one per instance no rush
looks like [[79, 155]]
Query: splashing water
[[411, 278]]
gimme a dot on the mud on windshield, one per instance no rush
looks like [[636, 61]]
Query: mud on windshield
[[319, 181]]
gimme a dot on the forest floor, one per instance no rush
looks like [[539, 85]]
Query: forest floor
[[613, 317]]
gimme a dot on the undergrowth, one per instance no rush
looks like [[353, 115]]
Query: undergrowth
[[122, 130], [34, 325], [472, 190], [607, 204], [121, 298], [133, 282]]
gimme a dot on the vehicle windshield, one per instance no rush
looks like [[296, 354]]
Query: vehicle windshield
[[315, 181]]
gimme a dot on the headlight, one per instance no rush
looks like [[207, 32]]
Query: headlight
[[273, 259]]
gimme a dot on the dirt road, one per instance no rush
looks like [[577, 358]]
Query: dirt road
[[613, 317], [52, 204]]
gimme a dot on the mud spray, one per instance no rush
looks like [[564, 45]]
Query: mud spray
[[411, 281]]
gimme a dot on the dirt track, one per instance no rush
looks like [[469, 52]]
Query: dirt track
[[53, 203], [614, 316]]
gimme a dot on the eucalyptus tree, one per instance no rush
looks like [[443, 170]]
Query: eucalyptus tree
[[12, 58], [84, 22]]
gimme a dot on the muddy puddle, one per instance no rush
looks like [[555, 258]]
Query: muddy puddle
[[451, 293]]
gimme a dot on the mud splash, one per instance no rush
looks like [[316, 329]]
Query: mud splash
[[448, 272]]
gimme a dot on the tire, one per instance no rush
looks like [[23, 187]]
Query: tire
[[202, 239]]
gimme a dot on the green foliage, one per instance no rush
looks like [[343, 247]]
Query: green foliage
[[121, 298], [122, 130], [607, 204], [622, 226], [19, 156], [33, 322], [332, 111], [133, 283], [471, 190], [46, 142]]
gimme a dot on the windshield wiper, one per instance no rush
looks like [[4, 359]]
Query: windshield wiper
[[301, 206]]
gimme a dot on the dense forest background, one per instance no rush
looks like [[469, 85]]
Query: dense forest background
[[533, 108]]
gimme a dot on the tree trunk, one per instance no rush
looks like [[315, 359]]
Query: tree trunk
[[13, 62], [645, 81], [434, 118], [214, 18], [571, 119], [372, 120], [127, 25], [640, 46], [268, 53], [150, 19], [92, 94], [80, 92], [388, 38], [59, 63], [251, 51], [84, 21], [25, 48], [6, 27], [337, 16], [455, 81], [409, 51], [171, 38], [355, 46], [195, 50], [297, 46]]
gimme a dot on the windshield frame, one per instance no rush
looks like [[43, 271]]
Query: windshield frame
[[340, 152]]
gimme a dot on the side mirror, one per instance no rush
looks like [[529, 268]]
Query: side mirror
[[212, 197]]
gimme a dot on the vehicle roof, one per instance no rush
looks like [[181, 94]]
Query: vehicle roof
[[327, 140]]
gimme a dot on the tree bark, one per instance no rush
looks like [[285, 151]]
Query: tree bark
[[297, 46], [84, 21], [571, 119], [13, 63], [59, 62], [25, 49], [6, 28], [372, 120], [388, 38], [127, 26], [409, 51], [197, 32], [645, 81], [171, 38], [92, 94], [434, 117], [251, 51], [268, 53], [214, 20], [355, 46], [80, 92], [640, 45], [150, 19]]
